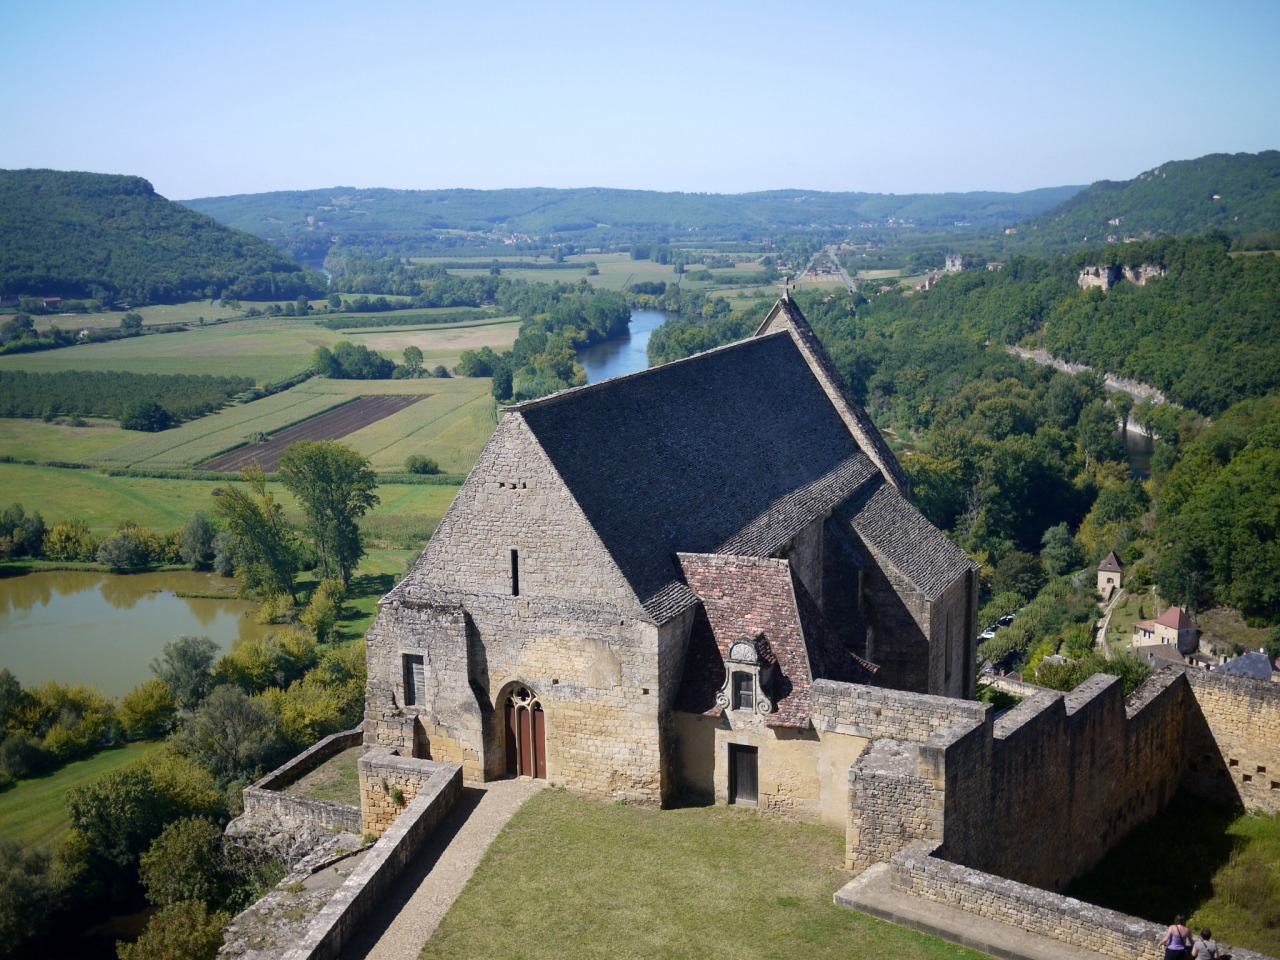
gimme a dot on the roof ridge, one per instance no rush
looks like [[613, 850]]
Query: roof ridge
[[569, 392]]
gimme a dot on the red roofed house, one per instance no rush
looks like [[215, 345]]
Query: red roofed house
[[1110, 575], [1174, 626]]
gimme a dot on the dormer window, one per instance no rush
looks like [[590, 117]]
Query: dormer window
[[749, 674], [744, 690]]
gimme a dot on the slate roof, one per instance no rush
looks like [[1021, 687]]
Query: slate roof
[[1111, 564], [732, 450], [762, 602], [880, 451], [1253, 664], [882, 517]]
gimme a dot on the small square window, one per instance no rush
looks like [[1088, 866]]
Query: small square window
[[1247, 778], [1233, 763]]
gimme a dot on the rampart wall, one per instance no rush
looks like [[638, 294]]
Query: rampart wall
[[1042, 794], [918, 871], [265, 800]]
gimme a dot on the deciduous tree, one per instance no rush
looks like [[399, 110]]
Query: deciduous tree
[[335, 486]]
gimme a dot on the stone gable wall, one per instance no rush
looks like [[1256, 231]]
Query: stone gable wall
[[514, 499]]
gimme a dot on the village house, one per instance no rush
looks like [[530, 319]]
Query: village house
[[642, 580], [1110, 576], [1173, 627]]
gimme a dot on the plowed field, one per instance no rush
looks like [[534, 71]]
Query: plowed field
[[328, 426]]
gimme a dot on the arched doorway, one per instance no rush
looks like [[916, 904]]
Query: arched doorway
[[526, 734]]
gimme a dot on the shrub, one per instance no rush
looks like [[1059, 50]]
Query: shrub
[[21, 756], [185, 929], [28, 893], [420, 465], [120, 554], [324, 608], [71, 541]]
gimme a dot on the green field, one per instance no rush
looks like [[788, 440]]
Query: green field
[[575, 878], [103, 501], [32, 812], [42, 442]]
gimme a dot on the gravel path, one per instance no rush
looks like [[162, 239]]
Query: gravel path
[[407, 919]]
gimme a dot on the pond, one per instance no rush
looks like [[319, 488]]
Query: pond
[[622, 355], [103, 629]]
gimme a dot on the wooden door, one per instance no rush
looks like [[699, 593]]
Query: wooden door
[[743, 767], [512, 739], [539, 742]]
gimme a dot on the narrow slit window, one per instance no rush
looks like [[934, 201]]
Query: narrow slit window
[[515, 573], [414, 679]]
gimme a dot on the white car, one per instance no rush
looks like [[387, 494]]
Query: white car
[[987, 634]]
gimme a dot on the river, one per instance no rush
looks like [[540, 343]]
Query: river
[[104, 630], [622, 355]]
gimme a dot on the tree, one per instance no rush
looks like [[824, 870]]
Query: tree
[[185, 863], [335, 486], [146, 415], [185, 929], [195, 542], [147, 710], [230, 735], [1096, 430], [1020, 573], [28, 893], [131, 322], [413, 361], [1061, 553], [185, 665], [266, 556]]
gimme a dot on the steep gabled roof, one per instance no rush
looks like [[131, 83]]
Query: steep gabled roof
[[1111, 564], [737, 448], [785, 315], [883, 518], [1177, 619], [762, 602]]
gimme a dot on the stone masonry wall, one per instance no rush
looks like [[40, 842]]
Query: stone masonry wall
[[1233, 740], [897, 623], [514, 499], [1103, 932], [890, 804], [382, 773], [265, 800]]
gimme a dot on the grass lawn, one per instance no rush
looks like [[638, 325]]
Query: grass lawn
[[573, 878], [337, 779], [32, 812], [1220, 868], [39, 441], [1144, 605]]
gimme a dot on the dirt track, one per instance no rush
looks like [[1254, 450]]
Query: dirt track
[[332, 425]]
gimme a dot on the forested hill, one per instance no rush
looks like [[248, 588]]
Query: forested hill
[[109, 237], [305, 219], [1237, 193]]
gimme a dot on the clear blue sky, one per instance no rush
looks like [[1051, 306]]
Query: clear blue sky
[[242, 97]]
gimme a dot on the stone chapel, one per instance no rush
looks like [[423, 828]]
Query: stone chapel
[[642, 581]]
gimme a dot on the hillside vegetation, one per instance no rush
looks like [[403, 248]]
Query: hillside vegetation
[[1238, 193], [111, 238], [302, 221]]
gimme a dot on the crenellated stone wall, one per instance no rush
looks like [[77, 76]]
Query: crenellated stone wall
[[1233, 745]]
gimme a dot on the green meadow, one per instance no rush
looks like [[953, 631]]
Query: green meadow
[[33, 811]]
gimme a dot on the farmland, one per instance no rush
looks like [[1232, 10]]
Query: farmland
[[334, 424]]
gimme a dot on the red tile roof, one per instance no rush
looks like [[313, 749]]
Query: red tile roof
[[1178, 619], [762, 602]]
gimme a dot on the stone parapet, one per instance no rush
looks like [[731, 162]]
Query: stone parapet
[[916, 871], [439, 787], [264, 800]]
